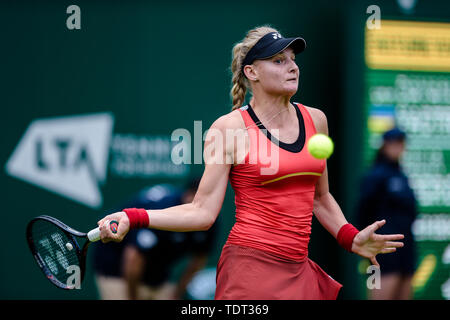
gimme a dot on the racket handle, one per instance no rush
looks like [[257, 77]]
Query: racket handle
[[94, 234]]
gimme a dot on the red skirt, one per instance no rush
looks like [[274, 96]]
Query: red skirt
[[245, 273]]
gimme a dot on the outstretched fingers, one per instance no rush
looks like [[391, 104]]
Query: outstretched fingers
[[393, 244], [390, 237], [388, 250], [374, 261], [377, 225]]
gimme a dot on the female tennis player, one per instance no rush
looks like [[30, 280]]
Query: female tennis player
[[278, 185]]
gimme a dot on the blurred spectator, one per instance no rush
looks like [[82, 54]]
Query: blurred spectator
[[385, 194], [140, 266]]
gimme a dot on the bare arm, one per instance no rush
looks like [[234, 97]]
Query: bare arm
[[202, 212], [366, 243], [326, 209]]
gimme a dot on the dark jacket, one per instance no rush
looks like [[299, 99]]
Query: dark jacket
[[385, 193]]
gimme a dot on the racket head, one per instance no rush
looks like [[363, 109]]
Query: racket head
[[55, 248]]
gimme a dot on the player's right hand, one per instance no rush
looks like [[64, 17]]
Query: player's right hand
[[106, 234]]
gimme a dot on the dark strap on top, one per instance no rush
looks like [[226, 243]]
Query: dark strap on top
[[296, 146]]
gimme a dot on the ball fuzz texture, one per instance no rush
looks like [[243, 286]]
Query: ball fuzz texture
[[320, 146]]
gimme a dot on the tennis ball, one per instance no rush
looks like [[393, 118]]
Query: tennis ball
[[320, 146]]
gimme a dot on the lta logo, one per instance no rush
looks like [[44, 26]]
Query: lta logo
[[65, 155]]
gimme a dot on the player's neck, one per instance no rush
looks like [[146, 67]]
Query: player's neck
[[267, 106], [267, 102]]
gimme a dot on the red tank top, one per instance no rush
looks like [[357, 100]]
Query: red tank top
[[274, 189]]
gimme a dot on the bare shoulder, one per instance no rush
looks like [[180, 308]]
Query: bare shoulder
[[231, 120], [230, 123], [319, 119]]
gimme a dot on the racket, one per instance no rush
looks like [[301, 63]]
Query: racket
[[57, 251]]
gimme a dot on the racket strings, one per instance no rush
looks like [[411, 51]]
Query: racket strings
[[50, 243]]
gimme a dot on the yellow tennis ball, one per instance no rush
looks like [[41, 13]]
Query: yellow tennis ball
[[320, 146]]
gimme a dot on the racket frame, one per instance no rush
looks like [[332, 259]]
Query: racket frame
[[71, 234]]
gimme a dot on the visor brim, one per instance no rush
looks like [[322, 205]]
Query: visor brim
[[297, 44]]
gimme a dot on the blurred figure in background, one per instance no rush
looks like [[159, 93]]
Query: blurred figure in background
[[140, 266], [386, 194]]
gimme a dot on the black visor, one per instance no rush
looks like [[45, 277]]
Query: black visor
[[270, 45]]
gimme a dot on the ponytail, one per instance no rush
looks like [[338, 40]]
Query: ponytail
[[240, 83]]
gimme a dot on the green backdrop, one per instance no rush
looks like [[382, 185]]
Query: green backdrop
[[150, 67]]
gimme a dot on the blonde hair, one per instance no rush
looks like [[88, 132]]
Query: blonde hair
[[240, 83]]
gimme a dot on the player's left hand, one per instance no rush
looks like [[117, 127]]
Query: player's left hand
[[368, 244]]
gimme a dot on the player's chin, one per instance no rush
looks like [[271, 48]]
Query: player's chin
[[290, 89], [287, 89]]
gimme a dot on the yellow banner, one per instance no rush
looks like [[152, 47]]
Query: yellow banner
[[408, 45]]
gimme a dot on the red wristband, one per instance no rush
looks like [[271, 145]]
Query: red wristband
[[138, 218], [346, 235]]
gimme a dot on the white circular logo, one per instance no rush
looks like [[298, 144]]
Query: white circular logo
[[146, 239]]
